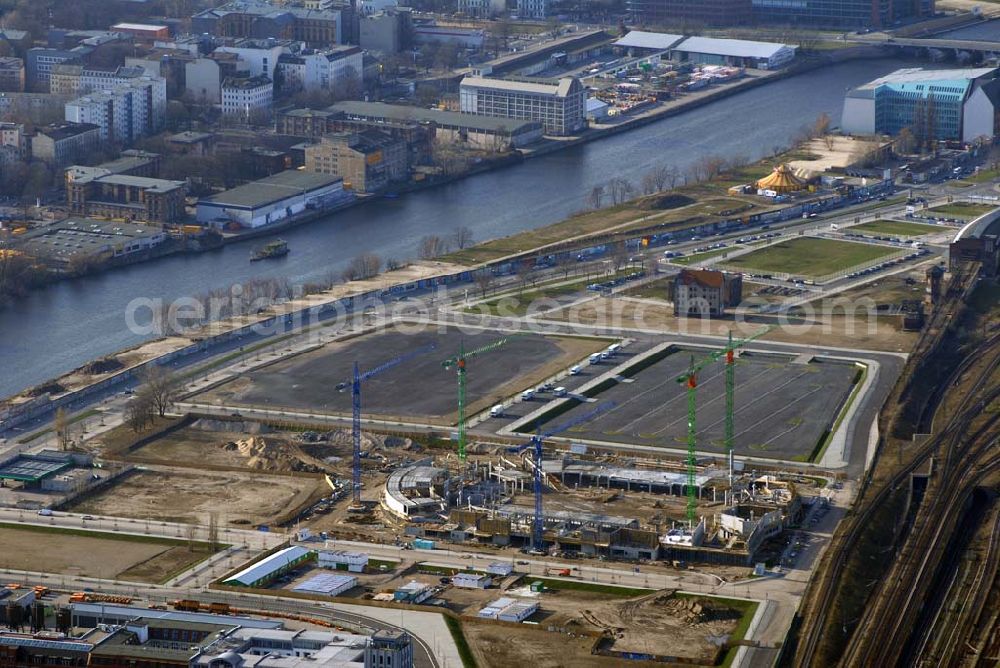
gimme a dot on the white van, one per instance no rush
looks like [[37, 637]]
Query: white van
[[575, 370], [497, 411], [614, 348], [45, 511], [595, 358], [527, 395], [560, 391]]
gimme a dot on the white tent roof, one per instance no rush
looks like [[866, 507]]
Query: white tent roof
[[649, 40], [739, 48]]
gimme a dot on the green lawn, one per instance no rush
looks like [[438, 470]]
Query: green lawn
[[962, 210], [698, 257], [808, 256], [896, 227], [982, 176]]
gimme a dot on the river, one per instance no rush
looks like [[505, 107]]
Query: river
[[60, 328]]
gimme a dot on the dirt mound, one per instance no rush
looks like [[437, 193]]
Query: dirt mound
[[370, 442], [106, 365], [47, 388], [667, 202], [264, 455]]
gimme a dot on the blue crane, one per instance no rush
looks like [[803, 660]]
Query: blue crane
[[538, 522], [355, 383]]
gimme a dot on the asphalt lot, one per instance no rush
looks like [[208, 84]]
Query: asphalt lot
[[783, 406], [420, 386]]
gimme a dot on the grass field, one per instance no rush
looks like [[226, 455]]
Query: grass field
[[982, 176], [810, 257], [96, 554], [896, 227], [623, 217], [962, 210]]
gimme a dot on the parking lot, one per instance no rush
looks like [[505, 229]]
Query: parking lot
[[419, 387], [784, 405]]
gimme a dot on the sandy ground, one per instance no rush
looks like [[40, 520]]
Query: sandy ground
[[653, 624], [162, 493], [829, 329], [91, 556], [503, 646]]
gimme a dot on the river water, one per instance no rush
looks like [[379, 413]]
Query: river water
[[57, 329]]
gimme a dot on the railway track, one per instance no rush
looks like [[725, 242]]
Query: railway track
[[952, 641], [824, 589], [887, 626]]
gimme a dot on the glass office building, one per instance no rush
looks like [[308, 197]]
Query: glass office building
[[956, 105]]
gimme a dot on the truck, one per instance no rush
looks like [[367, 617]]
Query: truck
[[423, 544]]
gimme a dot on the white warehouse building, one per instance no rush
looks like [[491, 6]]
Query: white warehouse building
[[271, 199], [353, 562], [735, 52]]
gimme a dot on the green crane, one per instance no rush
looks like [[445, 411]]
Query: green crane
[[691, 379], [459, 361]]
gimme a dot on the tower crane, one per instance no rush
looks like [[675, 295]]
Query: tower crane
[[357, 379], [460, 361], [538, 521], [690, 379]]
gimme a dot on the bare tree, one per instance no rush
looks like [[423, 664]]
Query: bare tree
[[61, 427], [160, 385], [905, 142], [462, 237], [648, 183], [139, 412], [595, 197], [213, 530], [363, 266], [822, 125], [711, 166], [620, 189], [432, 246], [484, 280], [661, 176], [619, 255]]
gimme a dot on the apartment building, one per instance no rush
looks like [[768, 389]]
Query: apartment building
[[125, 112], [247, 100], [255, 18], [63, 143], [11, 75], [335, 69]]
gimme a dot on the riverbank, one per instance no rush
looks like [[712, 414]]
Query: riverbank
[[676, 107], [72, 322]]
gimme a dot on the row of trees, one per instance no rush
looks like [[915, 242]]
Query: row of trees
[[432, 245], [157, 392], [661, 178]]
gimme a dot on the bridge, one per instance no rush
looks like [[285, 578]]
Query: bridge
[[943, 44]]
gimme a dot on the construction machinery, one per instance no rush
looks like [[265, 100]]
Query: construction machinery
[[460, 361], [690, 378], [538, 521], [356, 381]]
